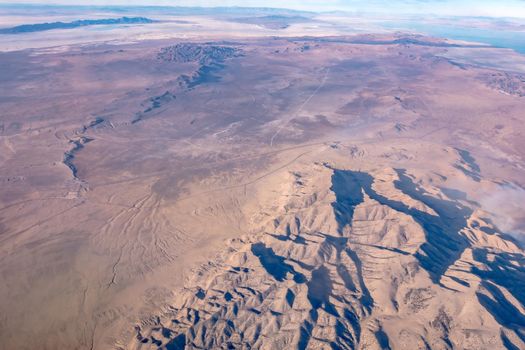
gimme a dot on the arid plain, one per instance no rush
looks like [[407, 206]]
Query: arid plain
[[356, 191]]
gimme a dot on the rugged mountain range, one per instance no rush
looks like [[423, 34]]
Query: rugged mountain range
[[39, 27], [353, 260]]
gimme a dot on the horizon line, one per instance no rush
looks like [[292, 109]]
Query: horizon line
[[345, 11]]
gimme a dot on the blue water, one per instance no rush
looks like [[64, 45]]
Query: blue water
[[499, 38]]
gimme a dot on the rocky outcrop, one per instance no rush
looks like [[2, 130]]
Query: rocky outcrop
[[69, 156], [204, 54], [210, 58], [512, 84], [153, 104]]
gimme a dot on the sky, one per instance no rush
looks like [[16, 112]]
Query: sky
[[490, 8]]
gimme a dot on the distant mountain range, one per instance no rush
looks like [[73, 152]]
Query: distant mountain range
[[28, 28]]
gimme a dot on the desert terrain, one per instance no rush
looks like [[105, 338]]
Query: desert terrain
[[262, 191]]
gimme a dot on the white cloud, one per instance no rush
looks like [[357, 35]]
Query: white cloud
[[505, 204]]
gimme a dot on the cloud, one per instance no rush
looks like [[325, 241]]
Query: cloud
[[506, 206]]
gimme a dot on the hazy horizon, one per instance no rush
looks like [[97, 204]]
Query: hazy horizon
[[509, 8]]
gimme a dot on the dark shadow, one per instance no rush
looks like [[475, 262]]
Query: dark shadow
[[69, 156], [166, 332], [343, 337], [290, 297], [340, 244], [304, 335], [348, 194], [444, 242], [366, 298], [468, 165], [454, 194], [274, 264], [382, 339], [352, 318], [343, 273], [507, 343], [506, 270], [319, 290], [200, 294], [283, 238], [178, 343]]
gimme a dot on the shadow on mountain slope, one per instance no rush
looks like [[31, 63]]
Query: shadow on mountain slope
[[444, 241]]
